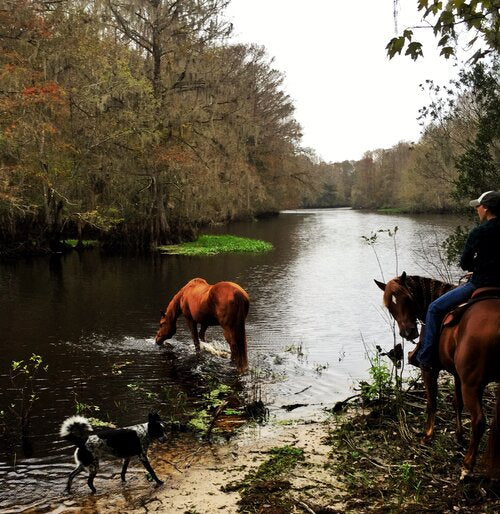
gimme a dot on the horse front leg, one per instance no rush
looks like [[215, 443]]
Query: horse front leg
[[472, 398], [430, 382], [458, 403], [194, 333]]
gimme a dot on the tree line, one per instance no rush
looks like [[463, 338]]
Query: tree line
[[138, 121]]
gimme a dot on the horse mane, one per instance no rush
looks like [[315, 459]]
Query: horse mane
[[424, 291], [174, 307]]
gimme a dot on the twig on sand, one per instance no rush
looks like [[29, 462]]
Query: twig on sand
[[306, 507]]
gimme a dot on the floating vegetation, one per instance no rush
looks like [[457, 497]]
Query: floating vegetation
[[86, 243], [212, 245]]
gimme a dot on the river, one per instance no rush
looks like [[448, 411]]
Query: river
[[315, 312]]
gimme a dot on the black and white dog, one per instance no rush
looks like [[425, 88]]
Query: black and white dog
[[118, 442]]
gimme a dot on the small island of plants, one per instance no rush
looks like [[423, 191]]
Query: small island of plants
[[212, 245]]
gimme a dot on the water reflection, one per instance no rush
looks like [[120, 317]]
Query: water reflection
[[314, 308]]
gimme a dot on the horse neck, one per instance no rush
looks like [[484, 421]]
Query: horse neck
[[424, 291], [174, 308]]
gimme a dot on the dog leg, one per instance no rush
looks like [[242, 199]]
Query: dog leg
[[147, 465], [126, 460], [93, 469], [72, 475]]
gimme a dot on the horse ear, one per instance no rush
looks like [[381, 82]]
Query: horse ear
[[380, 284], [402, 278]]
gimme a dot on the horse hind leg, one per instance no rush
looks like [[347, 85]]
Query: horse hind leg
[[458, 403], [237, 341], [492, 454], [473, 398]]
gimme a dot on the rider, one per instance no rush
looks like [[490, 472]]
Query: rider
[[481, 255]]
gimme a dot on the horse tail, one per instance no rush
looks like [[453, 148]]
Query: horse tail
[[493, 448], [242, 304]]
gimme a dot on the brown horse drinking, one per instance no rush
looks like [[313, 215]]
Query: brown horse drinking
[[469, 350], [224, 303]]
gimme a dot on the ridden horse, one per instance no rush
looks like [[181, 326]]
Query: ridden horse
[[469, 350], [224, 303]]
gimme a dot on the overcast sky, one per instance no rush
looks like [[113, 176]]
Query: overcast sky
[[349, 97]]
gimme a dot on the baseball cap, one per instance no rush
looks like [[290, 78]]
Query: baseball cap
[[488, 199]]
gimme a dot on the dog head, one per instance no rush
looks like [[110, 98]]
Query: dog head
[[156, 427]]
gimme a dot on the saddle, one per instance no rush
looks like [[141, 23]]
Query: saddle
[[483, 293]]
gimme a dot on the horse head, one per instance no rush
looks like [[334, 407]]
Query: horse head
[[167, 328], [400, 303]]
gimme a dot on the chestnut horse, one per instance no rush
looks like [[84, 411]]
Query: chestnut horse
[[224, 303], [469, 350]]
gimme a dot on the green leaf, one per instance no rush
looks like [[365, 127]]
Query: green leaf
[[443, 40], [408, 34], [422, 4], [447, 51], [414, 50], [447, 18], [395, 46]]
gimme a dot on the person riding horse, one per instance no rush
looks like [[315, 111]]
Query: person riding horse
[[481, 255]]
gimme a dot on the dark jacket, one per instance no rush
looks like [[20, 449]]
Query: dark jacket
[[481, 254]]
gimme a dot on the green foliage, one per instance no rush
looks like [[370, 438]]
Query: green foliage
[[211, 406], [89, 411], [23, 376], [381, 380], [479, 165], [267, 486], [282, 460], [211, 245], [382, 466], [480, 20], [123, 145], [454, 245]]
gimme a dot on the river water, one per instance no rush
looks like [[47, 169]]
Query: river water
[[314, 313]]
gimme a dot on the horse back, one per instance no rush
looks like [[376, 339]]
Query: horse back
[[230, 302], [194, 299], [474, 344]]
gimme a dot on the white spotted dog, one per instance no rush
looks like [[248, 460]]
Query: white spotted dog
[[118, 442]]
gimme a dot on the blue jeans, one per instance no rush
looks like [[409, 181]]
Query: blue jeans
[[436, 312]]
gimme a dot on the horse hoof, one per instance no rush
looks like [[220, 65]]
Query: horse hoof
[[465, 474], [425, 441]]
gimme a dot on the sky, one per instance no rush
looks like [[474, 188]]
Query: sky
[[349, 97]]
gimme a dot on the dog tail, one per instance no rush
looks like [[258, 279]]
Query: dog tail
[[76, 430]]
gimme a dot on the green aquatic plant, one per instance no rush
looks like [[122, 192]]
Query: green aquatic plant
[[211, 245], [87, 243], [213, 404]]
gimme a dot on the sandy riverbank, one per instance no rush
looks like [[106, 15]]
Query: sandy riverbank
[[194, 479]]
